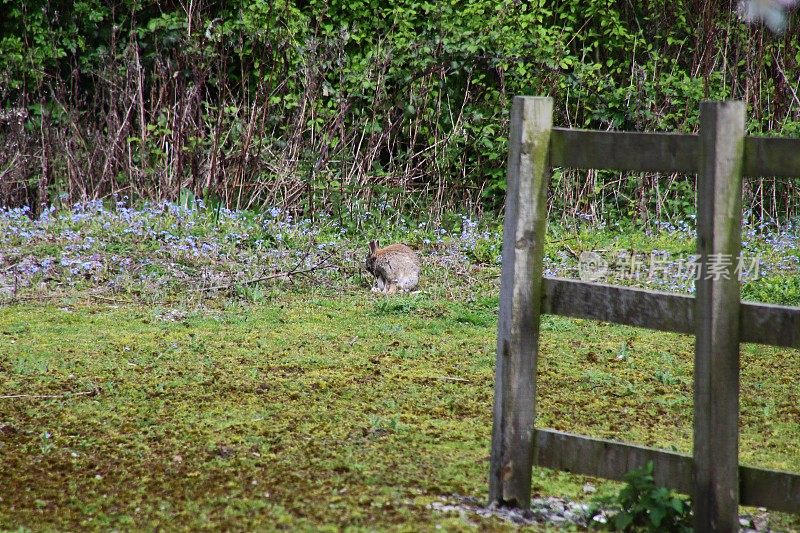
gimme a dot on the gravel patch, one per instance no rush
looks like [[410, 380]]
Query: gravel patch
[[561, 512]]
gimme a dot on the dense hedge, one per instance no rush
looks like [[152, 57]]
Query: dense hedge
[[354, 105]]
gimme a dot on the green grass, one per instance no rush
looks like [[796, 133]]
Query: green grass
[[324, 411]]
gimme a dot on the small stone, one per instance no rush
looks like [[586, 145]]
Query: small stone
[[225, 452], [588, 488], [761, 522]]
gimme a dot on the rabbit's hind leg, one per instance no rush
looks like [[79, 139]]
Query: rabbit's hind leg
[[408, 283]]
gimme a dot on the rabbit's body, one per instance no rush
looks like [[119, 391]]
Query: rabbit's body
[[395, 267]]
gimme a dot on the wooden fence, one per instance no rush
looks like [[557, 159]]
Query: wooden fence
[[720, 154]]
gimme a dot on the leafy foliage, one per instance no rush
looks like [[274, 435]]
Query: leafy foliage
[[642, 506], [341, 105]]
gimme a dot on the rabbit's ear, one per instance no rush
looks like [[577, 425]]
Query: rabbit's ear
[[373, 245]]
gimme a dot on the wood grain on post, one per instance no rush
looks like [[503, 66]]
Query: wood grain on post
[[520, 301], [716, 369]]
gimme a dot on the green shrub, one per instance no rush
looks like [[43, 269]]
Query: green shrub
[[782, 290], [642, 506]]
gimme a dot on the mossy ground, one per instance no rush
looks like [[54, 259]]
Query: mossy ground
[[315, 410]]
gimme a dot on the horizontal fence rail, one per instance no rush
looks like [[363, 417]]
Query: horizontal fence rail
[[771, 156], [773, 325], [664, 152], [608, 459], [618, 150]]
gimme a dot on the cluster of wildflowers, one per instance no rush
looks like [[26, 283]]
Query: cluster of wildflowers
[[779, 247], [767, 250], [156, 247], [662, 270]]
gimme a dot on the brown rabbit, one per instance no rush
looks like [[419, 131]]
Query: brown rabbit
[[394, 267]]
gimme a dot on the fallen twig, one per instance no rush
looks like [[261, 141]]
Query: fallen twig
[[111, 300], [36, 298], [92, 392], [287, 275], [572, 252], [450, 378]]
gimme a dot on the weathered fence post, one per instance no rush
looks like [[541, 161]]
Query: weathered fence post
[[520, 301], [716, 370]]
